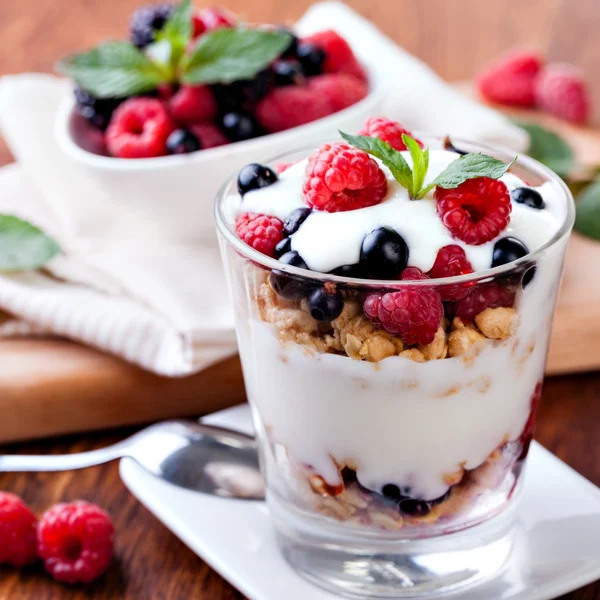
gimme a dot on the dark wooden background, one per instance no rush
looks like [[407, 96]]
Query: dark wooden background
[[456, 37]]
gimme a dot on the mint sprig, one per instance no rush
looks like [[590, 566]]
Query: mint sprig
[[466, 167], [227, 55], [177, 31], [24, 246]]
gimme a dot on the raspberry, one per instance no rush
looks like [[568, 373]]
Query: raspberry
[[75, 541], [415, 314], [341, 178], [209, 135], [340, 89], [511, 80], [18, 546], [283, 166], [387, 131], [371, 307], [193, 104], [139, 128], [561, 90], [413, 273], [476, 211], [210, 18], [339, 57], [529, 429], [290, 106], [261, 232], [485, 295], [146, 21], [451, 261]]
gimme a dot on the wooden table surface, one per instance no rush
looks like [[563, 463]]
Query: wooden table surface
[[456, 38]]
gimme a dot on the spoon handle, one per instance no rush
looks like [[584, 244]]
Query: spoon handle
[[61, 462]]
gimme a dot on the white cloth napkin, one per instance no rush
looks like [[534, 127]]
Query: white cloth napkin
[[161, 304]]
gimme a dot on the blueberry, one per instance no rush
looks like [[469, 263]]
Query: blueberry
[[507, 250], [254, 177], [97, 111], [391, 492], [415, 508], [283, 247], [311, 58], [287, 72], [528, 276], [287, 286], [243, 94], [294, 220], [325, 303], [182, 142], [355, 271], [383, 254], [238, 126], [146, 21], [529, 197], [292, 47]]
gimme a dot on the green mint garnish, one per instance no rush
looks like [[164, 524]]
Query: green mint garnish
[[115, 69], [23, 246], [549, 148], [119, 69], [226, 55], [587, 220], [466, 167]]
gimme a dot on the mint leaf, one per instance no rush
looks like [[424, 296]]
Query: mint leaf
[[115, 69], [226, 55], [470, 166], [420, 160], [587, 220], [549, 148], [23, 246], [177, 31], [390, 157]]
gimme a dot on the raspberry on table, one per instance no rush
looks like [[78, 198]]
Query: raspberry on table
[[339, 57], [139, 128], [260, 232], [193, 104], [451, 261], [561, 90], [388, 131], [75, 541], [146, 21], [485, 295], [340, 178], [476, 211], [213, 17], [414, 314], [209, 135], [512, 79], [340, 89], [290, 106], [18, 544]]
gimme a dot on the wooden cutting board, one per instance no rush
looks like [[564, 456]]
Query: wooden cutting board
[[50, 387]]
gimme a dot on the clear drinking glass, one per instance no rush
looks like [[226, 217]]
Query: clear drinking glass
[[389, 474]]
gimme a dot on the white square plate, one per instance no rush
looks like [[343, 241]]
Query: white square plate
[[557, 551]]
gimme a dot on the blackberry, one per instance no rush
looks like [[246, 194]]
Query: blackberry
[[146, 21], [238, 126], [97, 111], [182, 142]]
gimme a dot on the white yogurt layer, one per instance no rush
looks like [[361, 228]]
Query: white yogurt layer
[[329, 240]]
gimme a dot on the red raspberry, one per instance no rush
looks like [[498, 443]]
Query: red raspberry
[[529, 429], [193, 104], [415, 314], [139, 128], [339, 57], [214, 17], [413, 273], [561, 90], [210, 135], [18, 545], [451, 261], [476, 211], [511, 80], [75, 541], [371, 307], [290, 106], [387, 130], [283, 166], [340, 178], [340, 89], [482, 296], [261, 232]]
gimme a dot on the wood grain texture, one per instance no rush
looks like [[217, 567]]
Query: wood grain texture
[[457, 38]]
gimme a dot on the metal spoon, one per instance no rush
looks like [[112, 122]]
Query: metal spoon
[[203, 458]]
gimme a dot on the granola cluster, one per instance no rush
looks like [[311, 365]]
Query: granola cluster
[[353, 334]]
